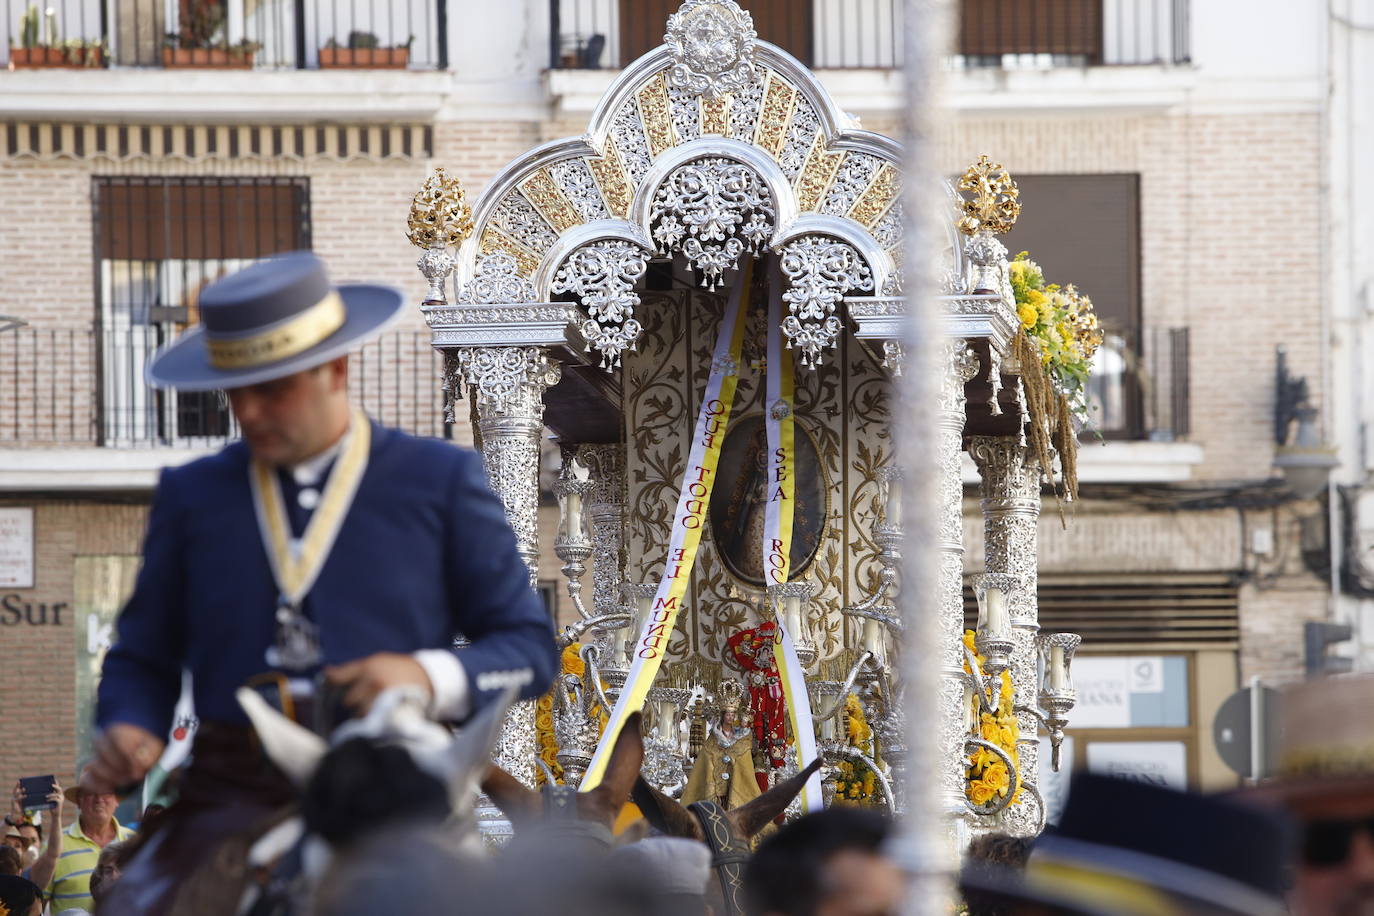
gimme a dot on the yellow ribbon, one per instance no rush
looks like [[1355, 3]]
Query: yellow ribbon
[[296, 572], [284, 339], [690, 517], [780, 421]]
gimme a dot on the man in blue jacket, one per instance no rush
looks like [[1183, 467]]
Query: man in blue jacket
[[322, 543]]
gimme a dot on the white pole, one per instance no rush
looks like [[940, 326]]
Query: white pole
[[925, 848], [1257, 735]]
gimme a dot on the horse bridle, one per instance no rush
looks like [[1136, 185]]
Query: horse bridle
[[560, 812], [729, 852]]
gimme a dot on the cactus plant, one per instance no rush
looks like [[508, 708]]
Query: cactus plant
[[28, 27]]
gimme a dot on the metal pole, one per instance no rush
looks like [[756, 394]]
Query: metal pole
[[925, 847], [1257, 735]]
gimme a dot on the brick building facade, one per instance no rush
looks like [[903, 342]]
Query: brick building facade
[[1226, 163]]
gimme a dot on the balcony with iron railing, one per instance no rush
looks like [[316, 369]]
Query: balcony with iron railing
[[867, 34], [226, 34], [74, 388]]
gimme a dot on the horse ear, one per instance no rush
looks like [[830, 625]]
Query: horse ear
[[621, 770], [664, 814], [294, 749], [751, 817], [511, 796], [464, 762]]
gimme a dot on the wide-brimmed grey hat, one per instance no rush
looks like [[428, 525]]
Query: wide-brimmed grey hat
[[272, 319]]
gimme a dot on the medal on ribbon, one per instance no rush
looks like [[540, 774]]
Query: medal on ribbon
[[296, 567]]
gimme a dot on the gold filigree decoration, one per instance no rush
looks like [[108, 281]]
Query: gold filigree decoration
[[439, 213], [609, 172], [526, 261], [817, 174], [548, 198], [994, 205], [876, 199], [779, 101], [715, 115], [656, 114]]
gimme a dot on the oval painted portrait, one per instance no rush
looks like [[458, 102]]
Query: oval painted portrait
[[739, 501]]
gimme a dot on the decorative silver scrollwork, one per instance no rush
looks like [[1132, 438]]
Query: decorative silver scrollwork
[[712, 210], [712, 42], [894, 358], [820, 272], [603, 276], [497, 281]]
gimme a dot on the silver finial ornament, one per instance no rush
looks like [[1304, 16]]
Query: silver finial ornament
[[713, 47]]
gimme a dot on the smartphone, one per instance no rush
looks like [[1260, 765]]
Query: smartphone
[[36, 790]]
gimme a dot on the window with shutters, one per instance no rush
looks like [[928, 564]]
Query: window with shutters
[[159, 241]]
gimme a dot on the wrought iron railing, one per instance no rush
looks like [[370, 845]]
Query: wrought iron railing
[[73, 387], [600, 34], [1057, 33], [1141, 393], [227, 34]]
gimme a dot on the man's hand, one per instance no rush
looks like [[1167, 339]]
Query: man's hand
[[17, 803], [124, 754], [363, 680]]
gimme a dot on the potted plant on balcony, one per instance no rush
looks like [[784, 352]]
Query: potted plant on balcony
[[364, 51], [51, 51], [195, 44]]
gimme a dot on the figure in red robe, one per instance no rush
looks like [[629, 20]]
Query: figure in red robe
[[753, 651]]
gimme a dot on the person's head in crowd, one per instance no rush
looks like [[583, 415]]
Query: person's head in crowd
[[1130, 848], [97, 808], [11, 862], [14, 839], [1325, 780], [1000, 849], [678, 870], [831, 863], [20, 896], [108, 867]]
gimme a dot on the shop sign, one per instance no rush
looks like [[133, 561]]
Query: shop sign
[[16, 547]]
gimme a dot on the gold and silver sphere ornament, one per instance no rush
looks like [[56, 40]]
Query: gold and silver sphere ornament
[[988, 198], [440, 220]]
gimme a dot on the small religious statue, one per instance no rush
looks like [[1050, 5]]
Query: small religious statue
[[724, 770], [753, 652]]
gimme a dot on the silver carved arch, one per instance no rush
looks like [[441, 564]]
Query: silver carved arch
[[674, 166]]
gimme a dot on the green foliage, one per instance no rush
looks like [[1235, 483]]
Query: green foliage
[[28, 27]]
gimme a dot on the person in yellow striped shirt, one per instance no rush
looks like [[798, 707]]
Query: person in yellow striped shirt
[[93, 829]]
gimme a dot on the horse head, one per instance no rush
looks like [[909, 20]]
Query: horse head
[[588, 815], [725, 832], [393, 769]]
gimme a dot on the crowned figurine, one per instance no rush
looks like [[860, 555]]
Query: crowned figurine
[[724, 769]]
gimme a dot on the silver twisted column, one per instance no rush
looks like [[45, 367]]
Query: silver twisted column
[[959, 365], [508, 384], [1011, 517]]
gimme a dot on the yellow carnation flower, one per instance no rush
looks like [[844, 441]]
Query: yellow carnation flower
[[996, 777], [572, 662], [980, 793], [543, 720], [1028, 315]]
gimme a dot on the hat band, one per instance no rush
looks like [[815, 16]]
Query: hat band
[[282, 340]]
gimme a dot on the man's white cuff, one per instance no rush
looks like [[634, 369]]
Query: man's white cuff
[[451, 700]]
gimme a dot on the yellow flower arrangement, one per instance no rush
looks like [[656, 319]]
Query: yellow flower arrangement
[[987, 776], [856, 782], [1059, 331]]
